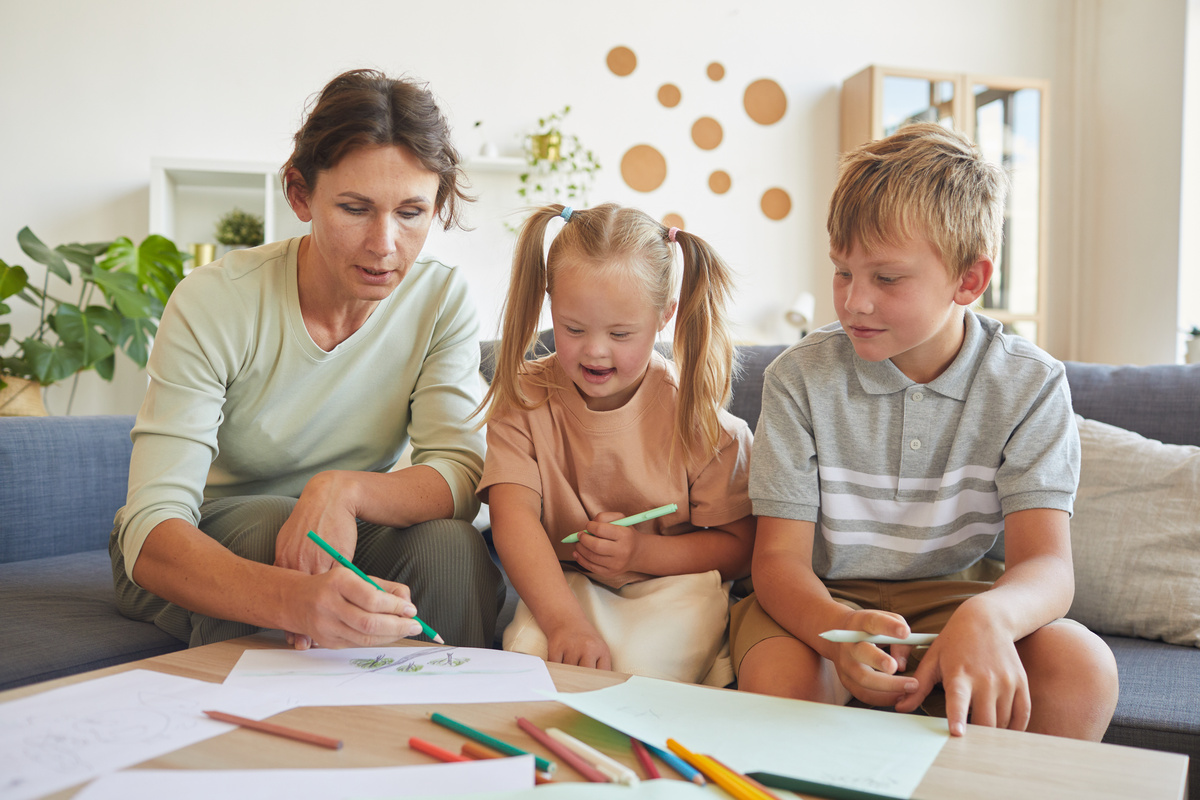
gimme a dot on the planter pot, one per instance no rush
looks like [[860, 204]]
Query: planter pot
[[546, 146], [21, 398]]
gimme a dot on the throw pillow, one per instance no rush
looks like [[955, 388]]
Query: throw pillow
[[1135, 536]]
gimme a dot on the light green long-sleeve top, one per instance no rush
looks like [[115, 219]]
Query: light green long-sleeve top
[[241, 401]]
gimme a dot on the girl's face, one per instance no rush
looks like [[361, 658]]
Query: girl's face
[[604, 332]]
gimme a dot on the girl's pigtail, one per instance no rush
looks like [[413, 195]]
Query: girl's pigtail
[[704, 352], [522, 310]]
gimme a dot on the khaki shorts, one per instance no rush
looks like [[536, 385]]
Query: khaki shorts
[[925, 604]]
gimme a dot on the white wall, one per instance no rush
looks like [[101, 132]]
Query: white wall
[[1189, 238], [91, 92]]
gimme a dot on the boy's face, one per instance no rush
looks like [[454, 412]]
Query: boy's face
[[901, 303]]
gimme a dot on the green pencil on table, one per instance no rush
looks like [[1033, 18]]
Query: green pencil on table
[[653, 513], [345, 562]]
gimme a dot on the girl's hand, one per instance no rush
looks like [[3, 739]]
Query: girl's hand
[[605, 550], [578, 645], [869, 672]]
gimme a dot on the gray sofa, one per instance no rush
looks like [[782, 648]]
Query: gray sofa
[[61, 479]]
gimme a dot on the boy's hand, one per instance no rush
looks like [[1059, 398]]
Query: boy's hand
[[869, 672], [980, 671], [607, 550], [578, 645]]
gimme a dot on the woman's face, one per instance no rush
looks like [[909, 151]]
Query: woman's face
[[370, 215]]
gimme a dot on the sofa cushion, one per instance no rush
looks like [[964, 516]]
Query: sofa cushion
[[1158, 401], [1135, 536], [64, 477], [60, 617]]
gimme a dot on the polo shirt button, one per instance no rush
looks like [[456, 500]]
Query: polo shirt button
[[915, 444], [917, 397]]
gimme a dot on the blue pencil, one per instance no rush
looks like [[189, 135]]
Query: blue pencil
[[676, 763]]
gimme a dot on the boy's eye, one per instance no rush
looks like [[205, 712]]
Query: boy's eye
[[887, 279]]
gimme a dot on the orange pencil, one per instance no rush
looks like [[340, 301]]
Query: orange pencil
[[431, 749], [643, 757], [277, 730], [478, 751]]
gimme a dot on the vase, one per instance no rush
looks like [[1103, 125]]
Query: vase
[[21, 398]]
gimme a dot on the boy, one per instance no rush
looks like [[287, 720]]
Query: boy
[[893, 449]]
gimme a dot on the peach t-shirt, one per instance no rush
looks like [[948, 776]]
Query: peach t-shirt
[[584, 462]]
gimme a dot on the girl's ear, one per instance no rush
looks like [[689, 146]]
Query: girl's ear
[[973, 282], [668, 313], [298, 196]]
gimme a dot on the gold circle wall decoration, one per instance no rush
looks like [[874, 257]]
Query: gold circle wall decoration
[[707, 133], [643, 168], [765, 101], [622, 61], [715, 71], [673, 220], [719, 181], [669, 95], [776, 203]]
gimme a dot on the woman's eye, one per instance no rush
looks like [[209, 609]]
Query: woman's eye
[[356, 210]]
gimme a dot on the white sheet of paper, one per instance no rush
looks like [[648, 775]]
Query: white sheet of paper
[[436, 780], [644, 790], [394, 675], [874, 751], [55, 739]]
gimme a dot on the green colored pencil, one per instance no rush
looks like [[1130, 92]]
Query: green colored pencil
[[502, 747], [653, 513], [345, 562]]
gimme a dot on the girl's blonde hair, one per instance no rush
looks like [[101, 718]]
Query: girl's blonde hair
[[609, 240]]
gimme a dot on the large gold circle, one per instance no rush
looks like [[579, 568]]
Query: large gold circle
[[643, 168], [673, 220], [622, 61], [669, 95], [719, 181], [715, 71], [707, 133], [765, 101], [776, 203]]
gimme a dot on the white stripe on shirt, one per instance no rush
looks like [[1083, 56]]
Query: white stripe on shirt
[[836, 505]]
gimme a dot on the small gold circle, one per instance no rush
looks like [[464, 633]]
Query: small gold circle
[[622, 61], [776, 203], [715, 71], [673, 220], [643, 168], [765, 101], [669, 95], [719, 181], [707, 133]]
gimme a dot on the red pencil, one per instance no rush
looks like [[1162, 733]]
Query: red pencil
[[431, 749], [643, 757], [583, 767], [277, 730]]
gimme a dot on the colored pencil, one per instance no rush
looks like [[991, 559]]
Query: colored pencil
[[615, 770], [816, 789], [862, 636], [728, 780], [747, 779], [345, 562], [625, 522], [277, 730], [676, 763], [566, 754], [643, 757], [431, 749], [476, 751], [492, 742]]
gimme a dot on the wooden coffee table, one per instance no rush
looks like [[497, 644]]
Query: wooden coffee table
[[984, 764]]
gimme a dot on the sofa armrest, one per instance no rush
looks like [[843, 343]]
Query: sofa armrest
[[61, 481]]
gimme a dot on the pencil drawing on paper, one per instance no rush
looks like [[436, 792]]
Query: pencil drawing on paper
[[372, 663], [409, 663]]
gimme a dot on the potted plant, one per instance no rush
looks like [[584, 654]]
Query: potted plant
[[561, 169], [239, 228], [123, 289]]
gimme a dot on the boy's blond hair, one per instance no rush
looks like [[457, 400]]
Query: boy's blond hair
[[922, 181]]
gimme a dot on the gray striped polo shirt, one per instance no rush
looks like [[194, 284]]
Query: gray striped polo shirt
[[905, 480]]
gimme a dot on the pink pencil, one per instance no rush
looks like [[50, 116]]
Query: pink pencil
[[585, 769]]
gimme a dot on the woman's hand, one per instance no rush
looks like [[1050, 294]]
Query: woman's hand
[[339, 609], [322, 507]]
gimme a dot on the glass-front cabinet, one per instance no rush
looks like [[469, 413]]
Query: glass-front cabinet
[[1007, 118]]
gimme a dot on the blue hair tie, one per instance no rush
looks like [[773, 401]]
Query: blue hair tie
[[566, 213]]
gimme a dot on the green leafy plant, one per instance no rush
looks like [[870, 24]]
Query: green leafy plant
[[561, 168], [239, 227], [123, 289]]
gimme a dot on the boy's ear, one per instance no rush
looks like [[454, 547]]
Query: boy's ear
[[298, 196], [670, 312], [973, 282]]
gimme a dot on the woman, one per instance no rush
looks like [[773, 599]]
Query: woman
[[286, 380]]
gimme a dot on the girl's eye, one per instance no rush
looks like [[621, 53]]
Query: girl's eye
[[621, 335], [574, 331]]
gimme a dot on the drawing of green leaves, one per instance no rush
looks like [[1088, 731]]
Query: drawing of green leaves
[[372, 663], [410, 668]]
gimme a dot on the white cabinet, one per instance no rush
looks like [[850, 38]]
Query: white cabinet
[[188, 196]]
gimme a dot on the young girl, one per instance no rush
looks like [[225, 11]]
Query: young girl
[[605, 428]]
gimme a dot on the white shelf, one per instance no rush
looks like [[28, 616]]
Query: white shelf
[[513, 164]]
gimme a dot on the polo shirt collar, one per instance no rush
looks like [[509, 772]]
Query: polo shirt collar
[[884, 377]]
